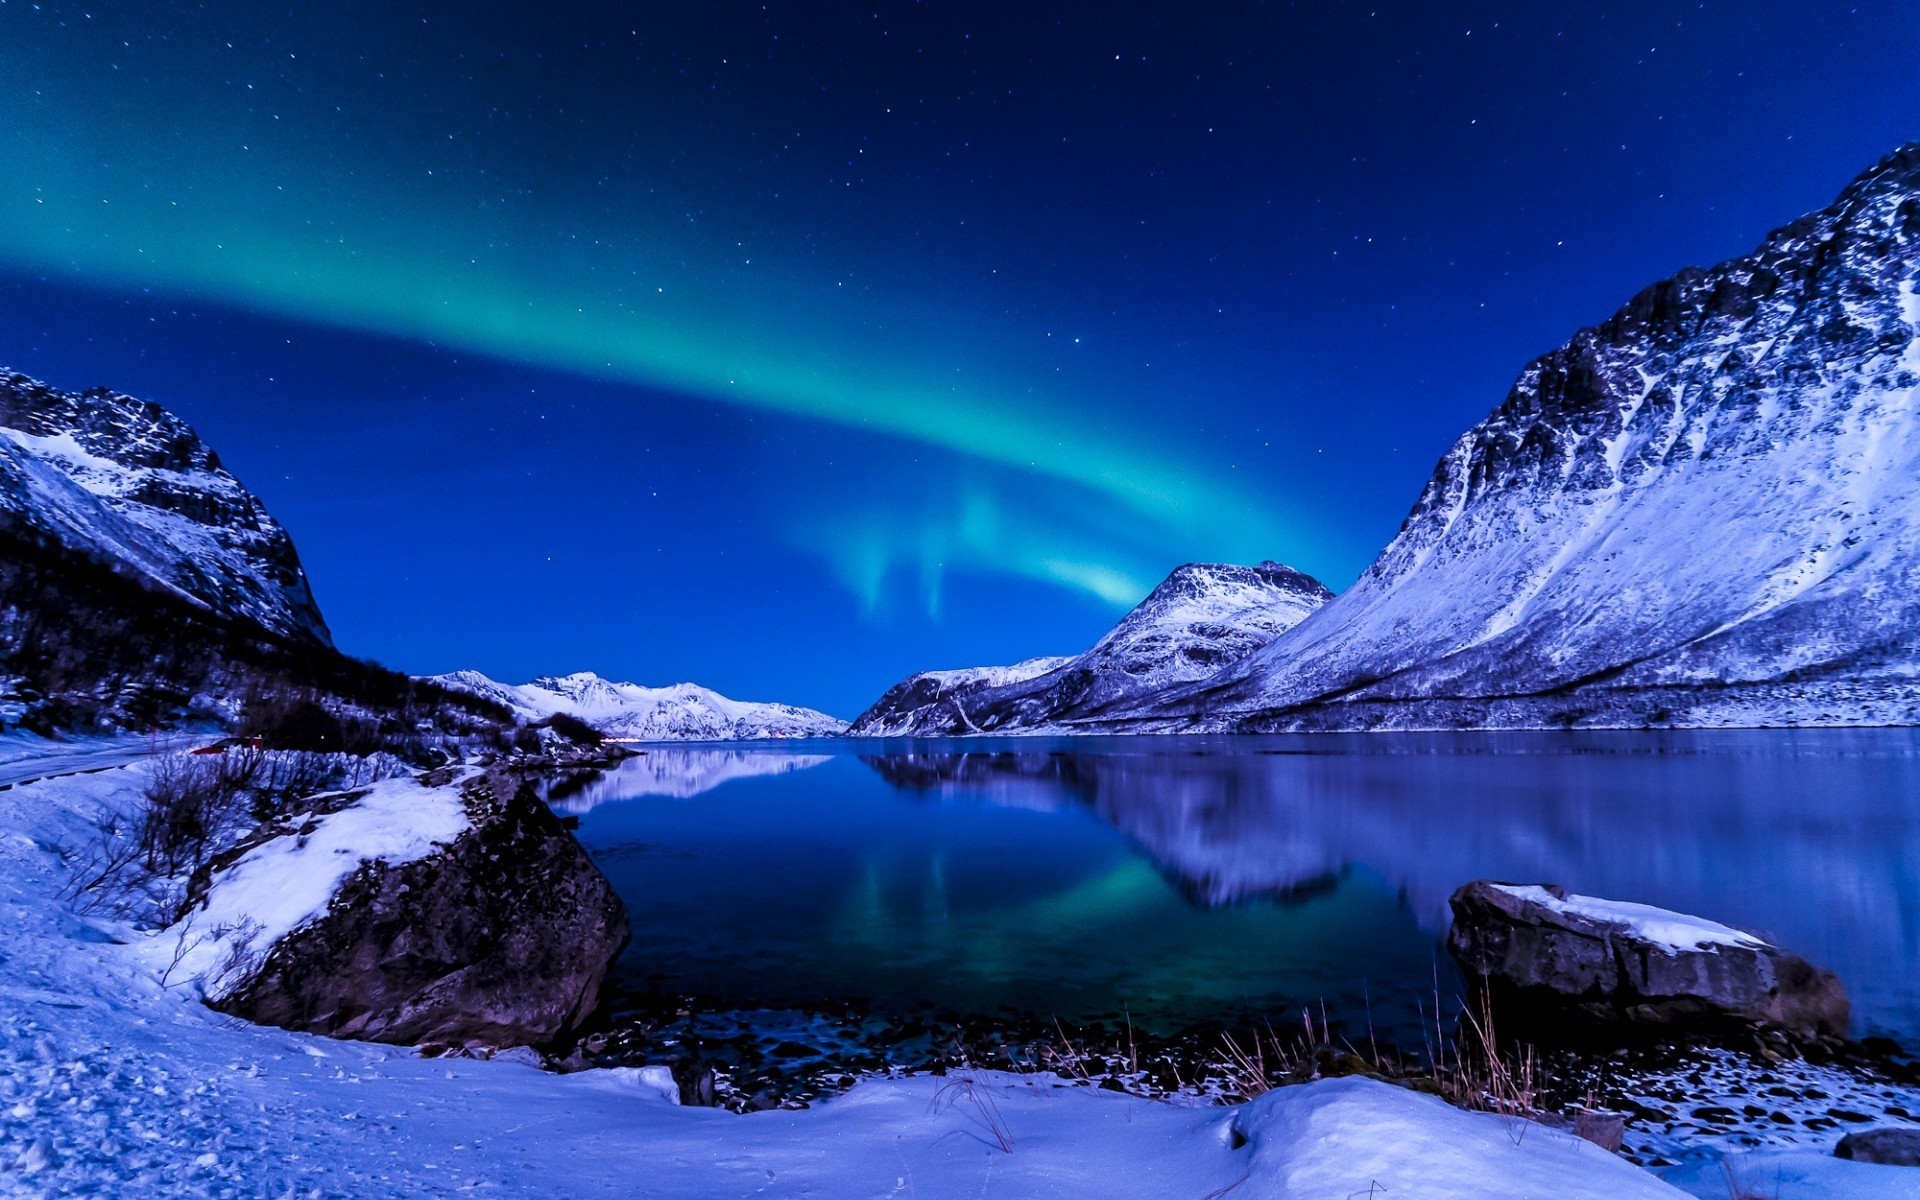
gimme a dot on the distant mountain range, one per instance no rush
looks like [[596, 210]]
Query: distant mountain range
[[681, 712], [1703, 511], [1201, 619]]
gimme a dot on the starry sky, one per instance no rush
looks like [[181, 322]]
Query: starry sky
[[790, 348]]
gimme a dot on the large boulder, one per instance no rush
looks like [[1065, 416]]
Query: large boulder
[[1550, 963], [462, 914], [1890, 1147]]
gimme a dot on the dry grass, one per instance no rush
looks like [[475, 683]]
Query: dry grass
[[963, 1091]]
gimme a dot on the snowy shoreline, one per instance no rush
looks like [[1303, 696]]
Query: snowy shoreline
[[113, 1084]]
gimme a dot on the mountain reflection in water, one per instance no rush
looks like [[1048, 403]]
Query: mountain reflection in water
[[1810, 837]]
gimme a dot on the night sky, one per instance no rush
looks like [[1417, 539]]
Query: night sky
[[791, 348]]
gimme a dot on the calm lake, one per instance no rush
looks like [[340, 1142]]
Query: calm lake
[[1181, 881]]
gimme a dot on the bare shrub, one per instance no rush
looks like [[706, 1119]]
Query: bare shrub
[[962, 1090], [1486, 1078]]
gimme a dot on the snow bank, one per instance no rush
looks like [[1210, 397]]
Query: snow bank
[[1659, 926], [1795, 1175], [284, 883], [1357, 1137]]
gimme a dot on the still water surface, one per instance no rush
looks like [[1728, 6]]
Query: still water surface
[[1194, 880]]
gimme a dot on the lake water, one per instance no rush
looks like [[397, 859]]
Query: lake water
[[1183, 881]]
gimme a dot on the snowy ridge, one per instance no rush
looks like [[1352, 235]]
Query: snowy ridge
[[130, 485], [680, 712], [1201, 618], [1705, 510]]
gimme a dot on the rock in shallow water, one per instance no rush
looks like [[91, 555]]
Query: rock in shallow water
[[500, 937], [1580, 966], [1889, 1147]]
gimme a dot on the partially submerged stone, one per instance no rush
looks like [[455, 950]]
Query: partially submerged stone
[[492, 929], [1578, 965], [1888, 1147]]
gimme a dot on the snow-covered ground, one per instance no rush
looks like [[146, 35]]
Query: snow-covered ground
[[112, 1084], [24, 756]]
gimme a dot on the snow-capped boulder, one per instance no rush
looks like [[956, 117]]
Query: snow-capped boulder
[[1546, 958], [128, 485], [1703, 511], [681, 712], [446, 910], [1202, 618]]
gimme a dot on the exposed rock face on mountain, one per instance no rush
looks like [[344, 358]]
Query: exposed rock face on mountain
[[461, 914], [1201, 618], [1704, 511], [142, 586], [127, 484], [1547, 958], [682, 712], [935, 702]]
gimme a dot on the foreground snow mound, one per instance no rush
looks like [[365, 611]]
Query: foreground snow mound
[[683, 712], [1202, 618], [460, 913], [1704, 511], [129, 485], [1358, 1137]]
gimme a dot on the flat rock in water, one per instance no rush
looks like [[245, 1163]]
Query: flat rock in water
[[1579, 965], [1888, 1147]]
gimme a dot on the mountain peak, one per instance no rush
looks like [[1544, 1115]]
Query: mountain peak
[[129, 485], [680, 712], [1202, 617]]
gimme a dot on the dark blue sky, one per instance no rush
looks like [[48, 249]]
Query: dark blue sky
[[790, 348]]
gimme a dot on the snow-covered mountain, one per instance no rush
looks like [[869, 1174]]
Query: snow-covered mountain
[[1705, 510], [1200, 619], [682, 712], [931, 702], [131, 487]]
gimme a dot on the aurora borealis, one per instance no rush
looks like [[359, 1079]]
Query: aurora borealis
[[793, 347]]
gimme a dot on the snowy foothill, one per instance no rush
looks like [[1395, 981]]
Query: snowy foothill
[[115, 1083], [1644, 922]]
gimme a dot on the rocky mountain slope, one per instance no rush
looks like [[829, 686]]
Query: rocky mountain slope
[[142, 587], [1200, 619], [127, 484], [682, 712], [1705, 510]]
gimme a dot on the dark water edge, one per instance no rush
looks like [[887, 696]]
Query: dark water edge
[[807, 913]]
